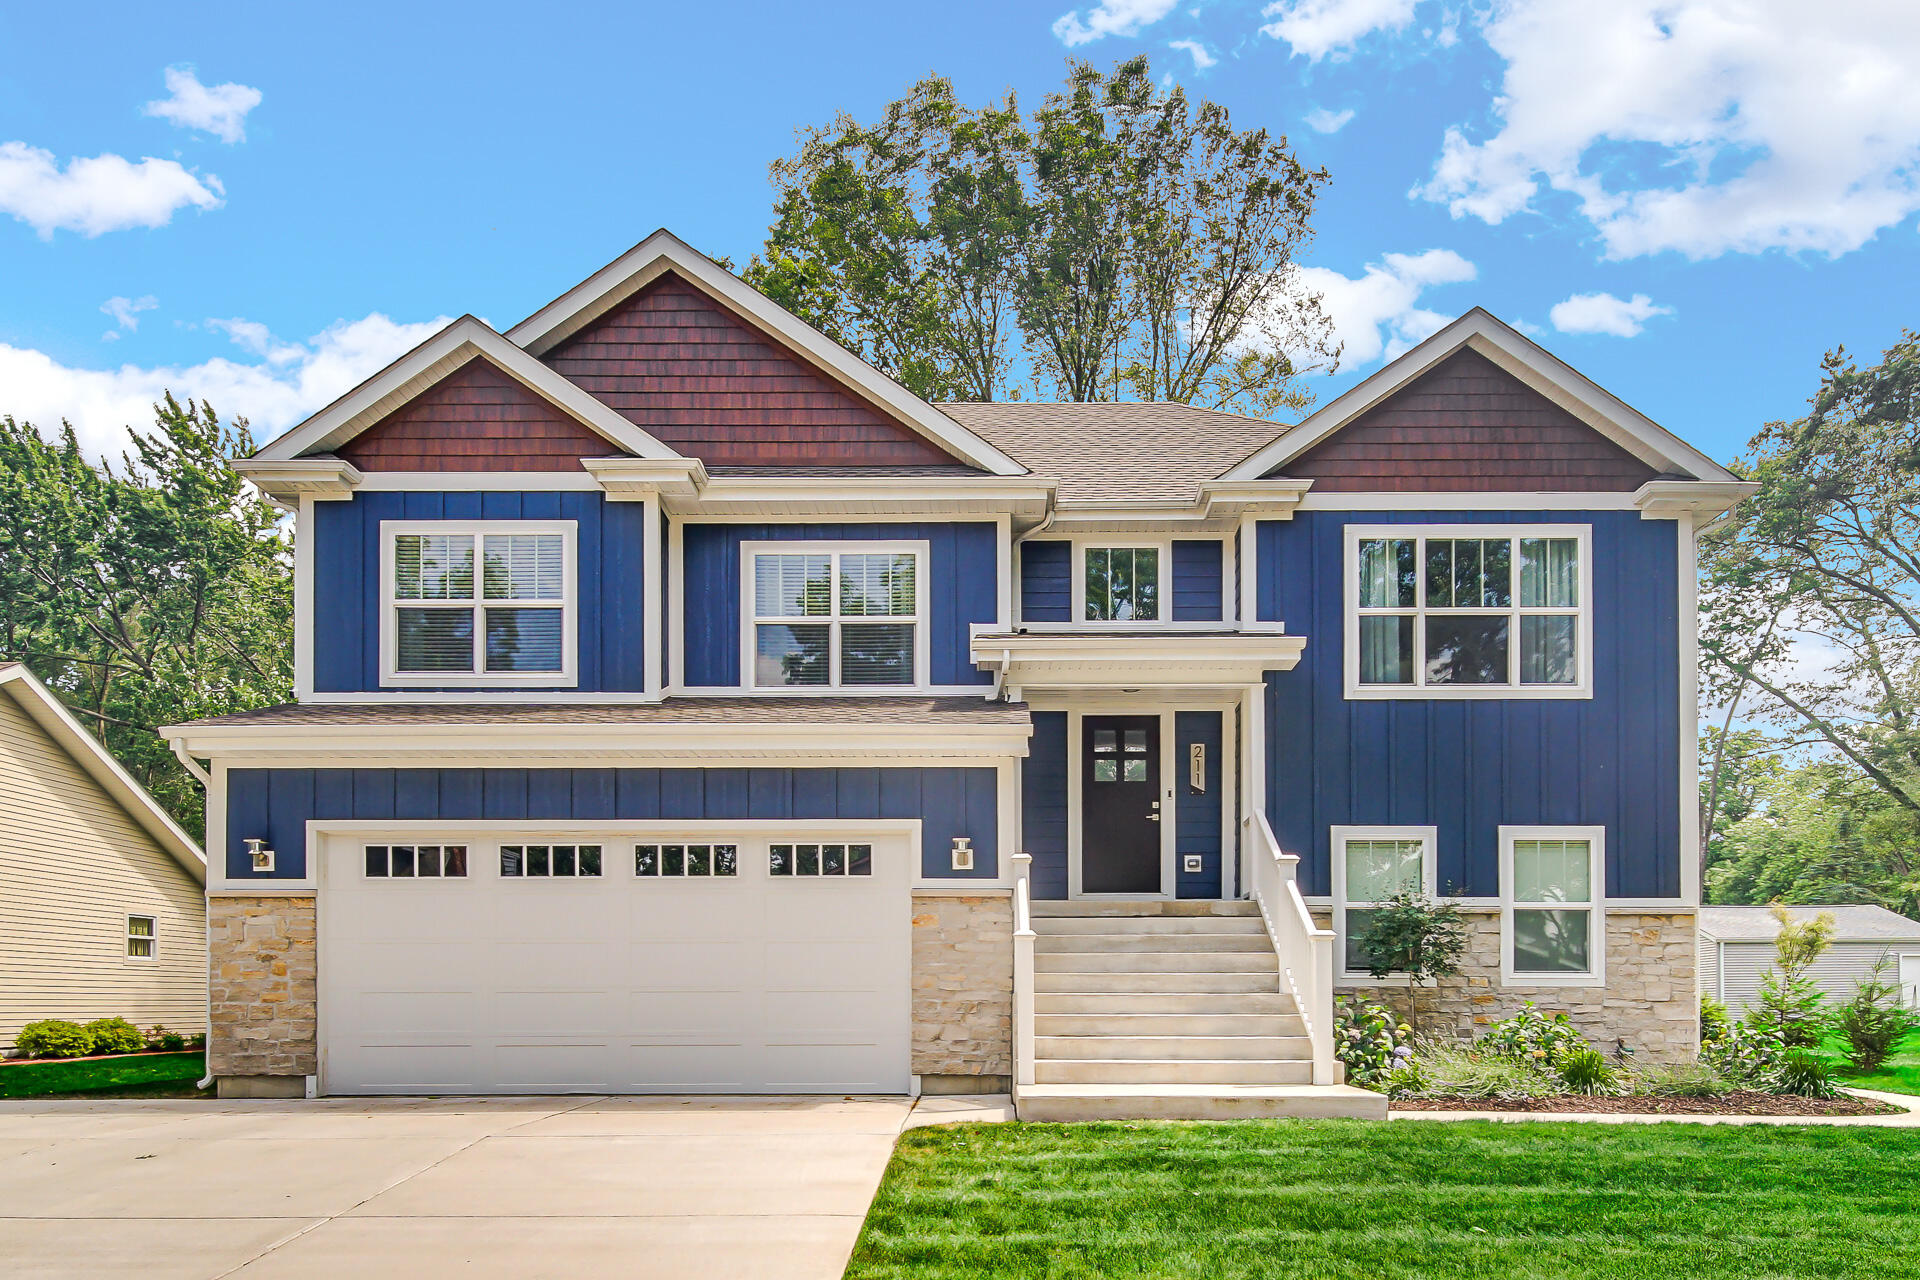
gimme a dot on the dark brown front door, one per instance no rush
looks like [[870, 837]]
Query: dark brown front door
[[1120, 804]]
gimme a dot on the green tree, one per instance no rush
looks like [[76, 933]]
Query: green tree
[[1789, 1000], [151, 592], [1412, 935], [1132, 243]]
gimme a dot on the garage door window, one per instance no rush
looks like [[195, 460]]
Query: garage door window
[[416, 861], [549, 861], [820, 860], [685, 860]]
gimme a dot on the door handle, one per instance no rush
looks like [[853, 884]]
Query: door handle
[[1153, 817]]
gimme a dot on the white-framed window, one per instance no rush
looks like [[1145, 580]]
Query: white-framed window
[[834, 615], [1121, 581], [819, 861], [143, 938], [478, 602], [549, 861], [686, 861], [1469, 611], [1370, 865], [1552, 926], [415, 861]]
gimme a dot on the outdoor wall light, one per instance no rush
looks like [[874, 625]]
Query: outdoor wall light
[[259, 854], [962, 853]]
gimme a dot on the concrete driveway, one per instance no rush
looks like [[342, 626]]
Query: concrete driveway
[[424, 1188]]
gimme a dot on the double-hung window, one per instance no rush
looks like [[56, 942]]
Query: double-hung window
[[1551, 927], [143, 936], [1120, 584], [1371, 865], [831, 617], [1468, 611], [478, 603]]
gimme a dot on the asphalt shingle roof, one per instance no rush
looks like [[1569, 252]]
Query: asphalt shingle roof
[[932, 712], [1852, 922]]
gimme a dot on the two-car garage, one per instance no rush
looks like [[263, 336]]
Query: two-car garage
[[592, 958]]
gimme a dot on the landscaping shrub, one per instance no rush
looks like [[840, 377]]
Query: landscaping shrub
[[53, 1038], [1874, 1020], [1714, 1020], [1533, 1036], [1682, 1080], [1748, 1055], [1412, 935], [1804, 1072], [1789, 1000], [1443, 1070], [1369, 1039], [165, 1041], [115, 1035], [1585, 1071]]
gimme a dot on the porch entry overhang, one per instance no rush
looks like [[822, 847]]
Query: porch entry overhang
[[1133, 660]]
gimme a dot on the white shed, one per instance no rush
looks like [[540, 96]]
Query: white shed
[[1736, 950]]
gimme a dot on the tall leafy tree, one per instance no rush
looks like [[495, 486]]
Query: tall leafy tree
[[145, 593], [1133, 244]]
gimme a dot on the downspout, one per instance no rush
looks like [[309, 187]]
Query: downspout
[[199, 771]]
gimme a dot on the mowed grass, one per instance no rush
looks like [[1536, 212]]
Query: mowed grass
[[139, 1073], [1898, 1074], [1412, 1200]]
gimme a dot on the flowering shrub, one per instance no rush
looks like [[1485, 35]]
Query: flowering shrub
[[1368, 1039], [1532, 1036]]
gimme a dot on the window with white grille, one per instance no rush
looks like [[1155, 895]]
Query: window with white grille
[[488, 602]]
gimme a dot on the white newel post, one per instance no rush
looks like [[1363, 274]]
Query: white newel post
[[1022, 969]]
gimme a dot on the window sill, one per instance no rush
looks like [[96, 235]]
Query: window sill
[[545, 680], [1463, 693], [1526, 981]]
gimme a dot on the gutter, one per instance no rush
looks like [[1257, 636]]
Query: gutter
[[199, 771]]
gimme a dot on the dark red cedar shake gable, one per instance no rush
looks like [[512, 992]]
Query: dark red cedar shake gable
[[1465, 426], [477, 418], [708, 383]]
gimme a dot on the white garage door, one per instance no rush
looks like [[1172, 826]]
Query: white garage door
[[750, 959]]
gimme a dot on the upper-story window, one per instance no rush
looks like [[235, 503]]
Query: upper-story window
[[1120, 584], [836, 616], [1468, 611], [477, 603]]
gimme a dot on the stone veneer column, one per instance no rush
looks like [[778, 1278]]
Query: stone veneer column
[[262, 1041], [963, 992], [1649, 999]]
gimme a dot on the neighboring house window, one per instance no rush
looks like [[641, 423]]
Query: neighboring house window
[[549, 861], [1551, 927], [1120, 584], [1370, 865], [142, 937], [820, 860], [1468, 611], [836, 618], [478, 603], [416, 861], [686, 860]]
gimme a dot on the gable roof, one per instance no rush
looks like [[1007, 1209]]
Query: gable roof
[[1852, 922], [663, 252], [1120, 450], [52, 716], [1479, 330], [466, 339]]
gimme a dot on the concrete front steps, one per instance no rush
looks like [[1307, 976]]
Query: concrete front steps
[[1168, 1010]]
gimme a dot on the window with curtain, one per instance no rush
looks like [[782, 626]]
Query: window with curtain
[[835, 619], [142, 937], [1447, 612], [479, 603], [1122, 584], [1550, 888], [1375, 866]]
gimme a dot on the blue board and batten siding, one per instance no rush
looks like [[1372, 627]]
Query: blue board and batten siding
[[276, 804], [961, 590], [1196, 580], [1043, 804], [611, 601], [1469, 767], [1046, 581], [1196, 816]]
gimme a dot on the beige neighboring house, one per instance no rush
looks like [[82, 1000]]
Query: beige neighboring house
[[102, 895], [1737, 950]]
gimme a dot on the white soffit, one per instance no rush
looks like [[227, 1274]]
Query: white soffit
[[1481, 331], [662, 252]]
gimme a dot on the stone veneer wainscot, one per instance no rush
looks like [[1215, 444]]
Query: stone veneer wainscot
[[263, 994], [963, 992]]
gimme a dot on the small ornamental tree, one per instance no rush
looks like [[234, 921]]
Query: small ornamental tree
[[1412, 935], [1874, 1020], [1789, 999]]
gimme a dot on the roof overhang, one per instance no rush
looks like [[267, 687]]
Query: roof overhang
[[1480, 331], [1219, 509], [1027, 499], [663, 252], [324, 479], [1698, 500], [1026, 661]]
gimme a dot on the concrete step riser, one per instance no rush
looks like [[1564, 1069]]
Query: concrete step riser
[[1124, 1003], [1043, 1110], [1165, 962], [1174, 1071], [1202, 926], [1196, 907], [1167, 1024], [1124, 982], [1183, 943], [1169, 1048]]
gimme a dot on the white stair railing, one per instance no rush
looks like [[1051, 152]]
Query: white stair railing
[[1022, 969], [1305, 950]]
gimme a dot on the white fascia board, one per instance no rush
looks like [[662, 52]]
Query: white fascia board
[[1481, 331], [452, 348], [1025, 499], [1701, 500], [286, 482], [52, 716], [641, 265], [1134, 659]]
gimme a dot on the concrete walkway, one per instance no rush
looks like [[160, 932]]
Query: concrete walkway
[[430, 1188]]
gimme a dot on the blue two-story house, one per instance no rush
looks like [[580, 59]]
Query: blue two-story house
[[684, 706]]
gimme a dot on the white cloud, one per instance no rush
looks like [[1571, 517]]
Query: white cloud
[[1321, 120], [1316, 28], [93, 197], [1698, 126], [1604, 313], [1109, 18], [126, 313], [103, 403], [1376, 315], [1202, 59], [220, 110], [254, 337]]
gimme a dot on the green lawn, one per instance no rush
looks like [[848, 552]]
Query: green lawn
[[1409, 1200], [1898, 1074], [146, 1072]]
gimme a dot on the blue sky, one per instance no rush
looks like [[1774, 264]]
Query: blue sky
[[1689, 200]]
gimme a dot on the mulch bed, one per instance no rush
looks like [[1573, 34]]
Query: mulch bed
[[1744, 1103], [92, 1057]]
